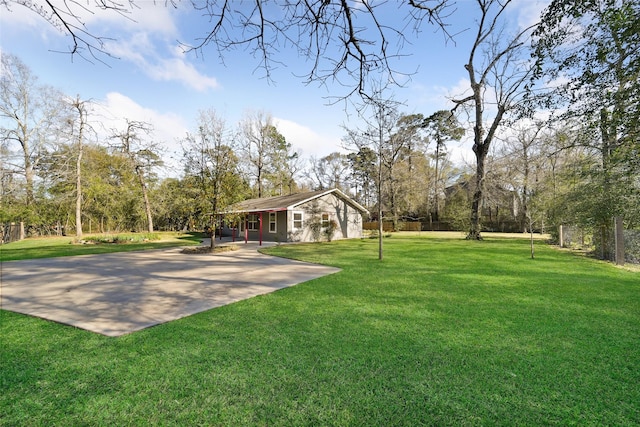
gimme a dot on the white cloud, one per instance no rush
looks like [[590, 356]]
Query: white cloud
[[17, 15], [429, 99], [139, 35], [529, 12], [15, 18], [169, 128], [141, 51], [177, 68], [150, 16], [461, 90], [460, 153], [132, 49], [307, 140], [90, 20]]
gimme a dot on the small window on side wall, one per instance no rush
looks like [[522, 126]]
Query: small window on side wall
[[297, 220], [325, 220]]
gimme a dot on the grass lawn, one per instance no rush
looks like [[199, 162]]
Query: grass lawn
[[442, 332], [49, 247]]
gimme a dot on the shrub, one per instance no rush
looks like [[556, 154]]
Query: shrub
[[330, 230], [118, 238]]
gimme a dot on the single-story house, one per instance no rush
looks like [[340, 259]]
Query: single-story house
[[303, 217]]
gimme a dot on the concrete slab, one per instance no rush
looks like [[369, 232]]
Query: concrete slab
[[116, 294]]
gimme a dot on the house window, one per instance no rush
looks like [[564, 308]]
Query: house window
[[297, 220], [325, 220], [252, 222], [272, 222]]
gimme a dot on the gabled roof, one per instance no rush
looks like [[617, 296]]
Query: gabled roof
[[283, 203]]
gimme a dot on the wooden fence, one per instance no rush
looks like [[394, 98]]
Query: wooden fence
[[387, 226], [12, 232], [503, 226]]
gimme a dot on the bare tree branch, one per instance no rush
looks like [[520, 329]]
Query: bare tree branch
[[348, 43]]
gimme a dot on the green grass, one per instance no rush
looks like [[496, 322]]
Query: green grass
[[441, 332], [49, 247]]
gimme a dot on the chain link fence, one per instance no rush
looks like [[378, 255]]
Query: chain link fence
[[601, 242], [632, 246]]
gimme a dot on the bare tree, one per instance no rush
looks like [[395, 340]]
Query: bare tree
[[285, 163], [67, 16], [65, 163], [292, 168], [498, 71], [344, 41], [523, 160], [405, 165], [391, 153], [441, 127], [363, 170], [28, 112], [142, 155], [209, 158], [263, 147], [329, 171], [78, 131], [380, 129]]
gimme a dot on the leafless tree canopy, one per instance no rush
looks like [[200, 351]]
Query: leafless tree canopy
[[343, 41], [498, 71], [66, 17]]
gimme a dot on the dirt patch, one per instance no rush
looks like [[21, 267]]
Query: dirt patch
[[208, 250]]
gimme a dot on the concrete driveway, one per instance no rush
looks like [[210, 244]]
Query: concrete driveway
[[116, 294]]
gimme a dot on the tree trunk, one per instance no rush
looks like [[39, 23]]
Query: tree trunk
[[79, 192], [533, 253], [436, 200], [380, 225], [259, 178], [525, 192], [380, 230], [145, 196], [476, 203], [28, 174], [214, 206], [28, 166], [81, 123], [394, 206]]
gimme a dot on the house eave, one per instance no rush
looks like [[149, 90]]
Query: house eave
[[250, 210], [296, 204], [346, 198]]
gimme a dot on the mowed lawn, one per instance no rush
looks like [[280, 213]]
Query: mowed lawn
[[441, 332], [47, 247]]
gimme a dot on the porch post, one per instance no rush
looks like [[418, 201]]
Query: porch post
[[260, 228], [246, 229]]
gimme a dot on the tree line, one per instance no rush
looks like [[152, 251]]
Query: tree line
[[552, 109], [62, 171]]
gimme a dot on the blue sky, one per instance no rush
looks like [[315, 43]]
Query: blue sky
[[155, 81]]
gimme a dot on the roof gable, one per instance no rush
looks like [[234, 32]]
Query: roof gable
[[281, 203]]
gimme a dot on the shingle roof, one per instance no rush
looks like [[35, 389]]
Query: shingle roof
[[281, 203]]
